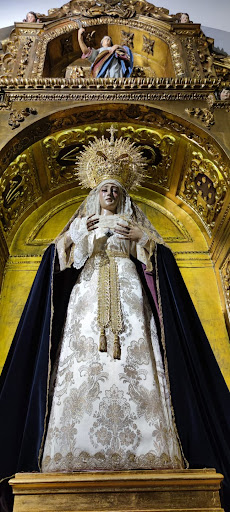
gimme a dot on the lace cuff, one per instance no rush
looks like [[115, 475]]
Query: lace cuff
[[145, 248], [80, 236], [144, 239], [64, 255]]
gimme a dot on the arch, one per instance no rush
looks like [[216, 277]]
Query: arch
[[168, 42], [45, 181], [41, 177]]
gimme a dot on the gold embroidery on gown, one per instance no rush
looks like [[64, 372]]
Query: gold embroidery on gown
[[109, 413]]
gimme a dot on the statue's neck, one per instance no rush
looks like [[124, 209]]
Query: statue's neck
[[106, 212]]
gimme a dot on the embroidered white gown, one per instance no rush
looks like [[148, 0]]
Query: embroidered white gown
[[109, 414]]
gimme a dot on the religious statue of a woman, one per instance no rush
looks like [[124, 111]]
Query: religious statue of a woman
[[108, 61], [111, 405], [110, 367]]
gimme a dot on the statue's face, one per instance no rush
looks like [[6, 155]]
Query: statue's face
[[30, 18], [106, 42], [225, 94], [184, 18], [109, 196]]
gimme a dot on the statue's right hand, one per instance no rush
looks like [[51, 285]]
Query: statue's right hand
[[81, 30], [92, 223]]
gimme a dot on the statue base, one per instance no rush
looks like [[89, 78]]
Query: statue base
[[136, 491]]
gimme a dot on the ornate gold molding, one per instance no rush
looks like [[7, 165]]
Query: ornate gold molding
[[204, 115], [158, 166], [19, 188], [16, 117], [225, 277], [51, 147], [180, 88], [204, 188], [113, 8]]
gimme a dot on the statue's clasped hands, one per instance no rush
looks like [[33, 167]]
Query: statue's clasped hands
[[126, 232], [91, 223], [131, 232]]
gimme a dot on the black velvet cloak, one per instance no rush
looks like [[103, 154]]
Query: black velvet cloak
[[200, 397]]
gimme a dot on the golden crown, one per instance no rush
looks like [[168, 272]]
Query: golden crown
[[106, 159]]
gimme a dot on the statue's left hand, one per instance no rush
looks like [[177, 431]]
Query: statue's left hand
[[132, 233], [115, 47]]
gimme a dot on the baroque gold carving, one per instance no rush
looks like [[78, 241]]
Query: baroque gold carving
[[148, 45], [16, 182], [158, 149], [7, 60], [115, 8], [222, 66], [127, 38], [204, 115], [52, 145], [206, 58], [225, 276], [138, 71], [192, 58], [187, 88], [25, 56], [145, 115], [18, 116], [204, 189]]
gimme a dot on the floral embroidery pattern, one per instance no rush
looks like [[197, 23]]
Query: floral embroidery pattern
[[109, 414], [115, 425]]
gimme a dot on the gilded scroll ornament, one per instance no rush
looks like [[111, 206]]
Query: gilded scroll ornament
[[192, 58], [7, 60], [113, 8], [18, 116], [25, 55], [204, 188], [225, 276], [158, 149], [206, 58], [16, 183], [204, 115], [58, 171]]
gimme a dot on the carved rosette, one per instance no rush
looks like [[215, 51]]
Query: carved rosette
[[225, 276], [127, 38], [18, 187], [204, 188]]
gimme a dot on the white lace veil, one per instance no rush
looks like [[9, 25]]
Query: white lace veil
[[91, 206]]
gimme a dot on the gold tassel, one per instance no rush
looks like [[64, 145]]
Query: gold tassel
[[102, 341], [116, 347]]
